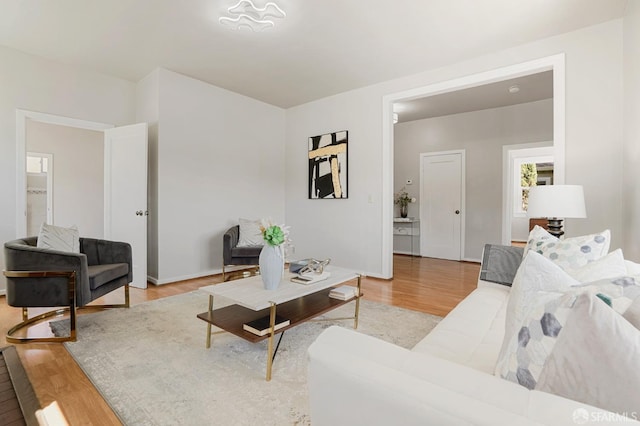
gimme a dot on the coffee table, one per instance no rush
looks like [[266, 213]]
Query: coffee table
[[296, 302]]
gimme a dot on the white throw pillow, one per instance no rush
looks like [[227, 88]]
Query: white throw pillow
[[58, 238], [609, 266], [632, 267], [595, 359], [250, 233], [632, 314], [569, 253], [536, 274]]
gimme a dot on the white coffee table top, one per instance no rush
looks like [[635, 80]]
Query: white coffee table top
[[250, 292]]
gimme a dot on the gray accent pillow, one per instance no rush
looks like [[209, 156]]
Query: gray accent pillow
[[595, 359], [500, 263]]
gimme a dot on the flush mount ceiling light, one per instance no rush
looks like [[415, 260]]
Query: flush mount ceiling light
[[514, 89], [245, 14]]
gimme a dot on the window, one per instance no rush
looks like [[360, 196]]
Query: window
[[37, 164], [528, 178], [529, 172]]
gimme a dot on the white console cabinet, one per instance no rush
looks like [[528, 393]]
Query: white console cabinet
[[406, 236]]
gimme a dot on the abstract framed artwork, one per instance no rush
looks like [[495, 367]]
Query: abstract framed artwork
[[328, 168]]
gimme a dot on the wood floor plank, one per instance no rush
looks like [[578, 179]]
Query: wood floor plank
[[428, 285]]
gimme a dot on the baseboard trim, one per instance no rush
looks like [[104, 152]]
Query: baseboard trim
[[467, 259], [163, 281], [407, 253]]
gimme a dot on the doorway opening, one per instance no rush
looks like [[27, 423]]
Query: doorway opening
[[23, 118], [39, 190], [119, 175], [555, 64]]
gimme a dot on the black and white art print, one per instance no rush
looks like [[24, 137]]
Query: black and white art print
[[328, 165]]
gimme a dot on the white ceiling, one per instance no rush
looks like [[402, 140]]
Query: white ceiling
[[532, 88], [321, 48]]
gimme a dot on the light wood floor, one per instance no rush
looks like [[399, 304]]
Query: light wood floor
[[427, 285]]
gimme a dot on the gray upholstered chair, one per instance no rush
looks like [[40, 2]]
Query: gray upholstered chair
[[39, 277], [234, 255]]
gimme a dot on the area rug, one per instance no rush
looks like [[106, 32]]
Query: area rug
[[150, 363]]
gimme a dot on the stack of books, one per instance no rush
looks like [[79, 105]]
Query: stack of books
[[260, 327], [344, 292]]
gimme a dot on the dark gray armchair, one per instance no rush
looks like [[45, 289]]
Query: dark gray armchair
[[39, 277], [234, 255]]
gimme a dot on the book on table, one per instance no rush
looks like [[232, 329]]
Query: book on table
[[260, 326], [344, 292]]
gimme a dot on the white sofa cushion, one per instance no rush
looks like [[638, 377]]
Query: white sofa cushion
[[472, 333], [355, 379]]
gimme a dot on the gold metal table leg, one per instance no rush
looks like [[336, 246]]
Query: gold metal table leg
[[355, 320], [208, 323], [272, 322]]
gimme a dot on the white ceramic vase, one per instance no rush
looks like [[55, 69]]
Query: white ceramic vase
[[271, 266]]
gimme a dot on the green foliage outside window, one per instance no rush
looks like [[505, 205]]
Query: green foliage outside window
[[528, 178]]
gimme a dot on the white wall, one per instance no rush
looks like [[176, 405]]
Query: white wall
[[349, 230], [78, 174], [220, 156], [482, 134], [36, 84], [631, 189]]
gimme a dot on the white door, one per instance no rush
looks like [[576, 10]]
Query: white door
[[125, 193], [441, 204]]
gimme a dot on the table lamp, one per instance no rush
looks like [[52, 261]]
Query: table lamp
[[556, 202]]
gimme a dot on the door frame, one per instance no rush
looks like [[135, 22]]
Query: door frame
[[554, 63], [21, 154], [510, 153], [463, 193]]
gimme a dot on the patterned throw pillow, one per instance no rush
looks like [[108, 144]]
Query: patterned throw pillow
[[620, 292], [530, 344], [595, 359], [569, 253], [528, 349], [535, 275], [537, 237], [58, 238], [250, 234], [611, 265]]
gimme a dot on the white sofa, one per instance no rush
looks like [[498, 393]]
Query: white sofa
[[446, 379]]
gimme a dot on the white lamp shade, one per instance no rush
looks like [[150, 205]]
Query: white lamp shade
[[556, 201]]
